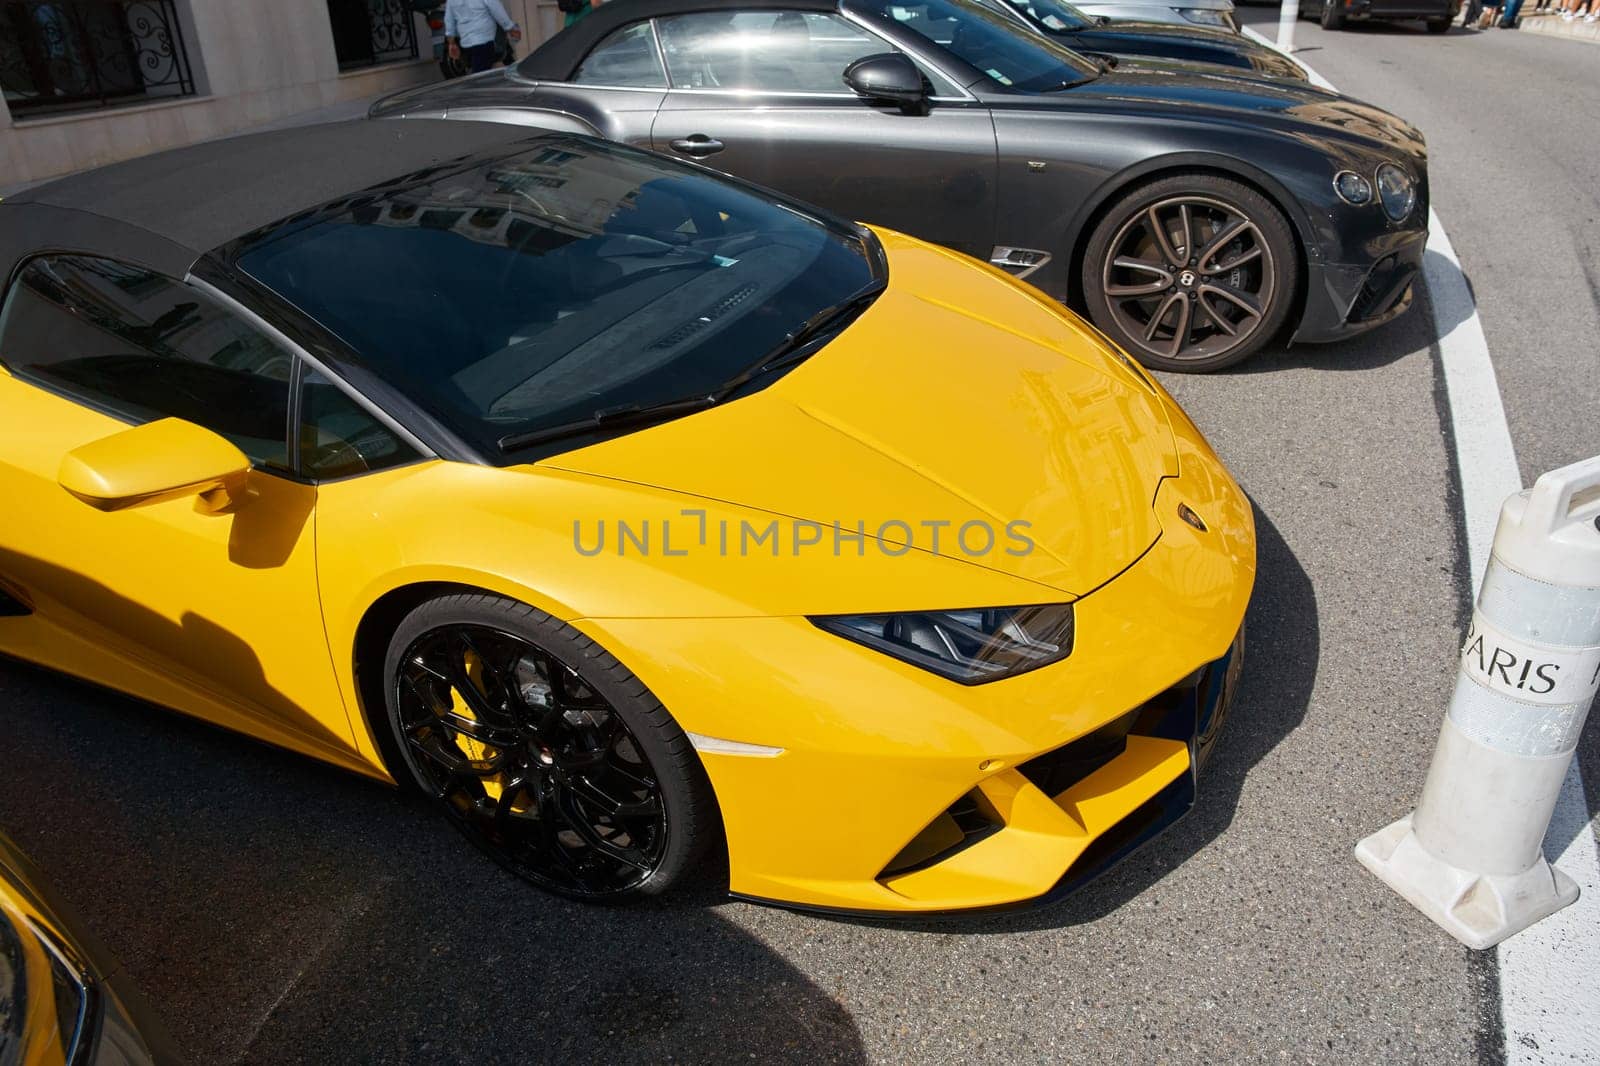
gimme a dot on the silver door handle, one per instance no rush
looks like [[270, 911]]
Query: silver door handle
[[699, 146]]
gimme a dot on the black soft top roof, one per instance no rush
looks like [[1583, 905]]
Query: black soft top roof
[[168, 209], [557, 58]]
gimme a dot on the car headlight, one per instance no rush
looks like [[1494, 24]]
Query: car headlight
[[971, 646], [1396, 190], [1205, 16], [1353, 188]]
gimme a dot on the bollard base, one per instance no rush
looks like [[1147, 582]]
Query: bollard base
[[1480, 910]]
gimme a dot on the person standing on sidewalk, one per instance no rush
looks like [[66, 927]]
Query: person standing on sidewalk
[[469, 27]]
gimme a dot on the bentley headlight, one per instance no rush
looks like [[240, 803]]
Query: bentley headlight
[[971, 646], [1396, 191], [1353, 188]]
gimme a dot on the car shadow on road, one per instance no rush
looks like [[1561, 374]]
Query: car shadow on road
[[276, 910]]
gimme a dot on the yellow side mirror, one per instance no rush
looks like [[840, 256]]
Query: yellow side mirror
[[165, 460]]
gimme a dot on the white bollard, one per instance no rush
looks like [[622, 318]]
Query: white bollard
[[1471, 856], [1288, 15]]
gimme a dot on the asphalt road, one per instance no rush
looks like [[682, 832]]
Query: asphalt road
[[280, 911]]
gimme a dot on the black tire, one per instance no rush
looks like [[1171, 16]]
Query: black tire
[[1439, 25], [672, 818], [1332, 14], [1217, 331]]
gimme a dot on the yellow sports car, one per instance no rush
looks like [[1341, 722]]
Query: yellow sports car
[[620, 507], [63, 1000]]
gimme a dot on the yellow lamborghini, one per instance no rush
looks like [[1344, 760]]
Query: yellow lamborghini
[[64, 1001], [620, 507]]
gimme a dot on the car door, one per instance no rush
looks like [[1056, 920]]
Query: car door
[[214, 613], [759, 93]]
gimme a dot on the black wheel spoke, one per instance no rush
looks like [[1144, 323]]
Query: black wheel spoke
[[551, 782], [474, 729], [630, 807], [476, 699], [572, 814]]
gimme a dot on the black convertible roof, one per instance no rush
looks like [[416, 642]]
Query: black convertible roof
[[168, 209], [557, 58]]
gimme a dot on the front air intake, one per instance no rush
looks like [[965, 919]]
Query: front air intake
[[964, 823]]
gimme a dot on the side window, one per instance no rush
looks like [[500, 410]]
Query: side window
[[627, 57], [340, 438], [771, 51], [142, 347]]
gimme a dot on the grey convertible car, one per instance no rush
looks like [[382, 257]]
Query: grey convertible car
[[1192, 214]]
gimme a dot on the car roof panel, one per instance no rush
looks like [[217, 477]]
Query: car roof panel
[[206, 195]]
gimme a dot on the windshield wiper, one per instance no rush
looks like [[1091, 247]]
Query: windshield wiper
[[801, 342], [608, 418], [796, 346]]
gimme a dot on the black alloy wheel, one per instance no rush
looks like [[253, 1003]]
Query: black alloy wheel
[[1191, 273], [1332, 14], [544, 750]]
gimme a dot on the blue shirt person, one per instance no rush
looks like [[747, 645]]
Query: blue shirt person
[[469, 28]]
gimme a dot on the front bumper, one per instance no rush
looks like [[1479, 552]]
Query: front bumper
[[1402, 9], [1347, 299], [877, 754]]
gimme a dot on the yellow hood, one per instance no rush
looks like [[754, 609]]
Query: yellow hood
[[960, 396]]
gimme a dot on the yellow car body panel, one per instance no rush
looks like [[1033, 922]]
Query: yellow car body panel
[[216, 615], [41, 1043], [959, 396]]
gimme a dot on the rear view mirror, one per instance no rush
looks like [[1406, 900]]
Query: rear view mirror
[[165, 460], [889, 77]]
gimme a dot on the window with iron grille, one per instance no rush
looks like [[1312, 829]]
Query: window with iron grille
[[368, 32], [77, 55]]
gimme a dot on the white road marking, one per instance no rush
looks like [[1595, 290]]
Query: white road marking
[[1549, 994], [1484, 453]]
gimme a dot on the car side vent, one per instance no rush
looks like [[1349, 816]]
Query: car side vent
[[690, 328]]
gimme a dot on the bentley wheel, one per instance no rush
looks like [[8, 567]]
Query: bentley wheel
[[544, 750], [1191, 273]]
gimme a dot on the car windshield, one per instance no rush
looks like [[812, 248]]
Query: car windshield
[[989, 40], [510, 297]]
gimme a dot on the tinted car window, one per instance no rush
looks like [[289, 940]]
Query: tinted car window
[[573, 277], [340, 438], [142, 347], [627, 57], [990, 41], [772, 51], [1051, 14]]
